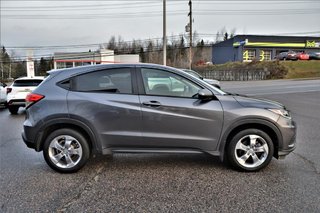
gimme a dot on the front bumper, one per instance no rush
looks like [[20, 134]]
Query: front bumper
[[288, 129]]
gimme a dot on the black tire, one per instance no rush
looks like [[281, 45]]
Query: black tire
[[260, 154], [78, 141], [13, 109]]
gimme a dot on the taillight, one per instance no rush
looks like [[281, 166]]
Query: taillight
[[9, 90], [33, 98]]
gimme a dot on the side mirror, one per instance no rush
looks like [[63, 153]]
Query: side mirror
[[205, 94]]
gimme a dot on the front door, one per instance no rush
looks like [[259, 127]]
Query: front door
[[173, 116]]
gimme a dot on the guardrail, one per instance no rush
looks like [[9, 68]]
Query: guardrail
[[239, 75]]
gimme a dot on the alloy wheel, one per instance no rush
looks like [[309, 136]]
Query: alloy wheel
[[65, 151], [251, 151]]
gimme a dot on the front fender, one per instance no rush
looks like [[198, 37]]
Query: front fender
[[247, 123]]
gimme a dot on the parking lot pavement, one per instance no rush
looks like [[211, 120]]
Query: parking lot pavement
[[167, 182]]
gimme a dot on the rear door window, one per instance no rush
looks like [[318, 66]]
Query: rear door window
[[111, 80]]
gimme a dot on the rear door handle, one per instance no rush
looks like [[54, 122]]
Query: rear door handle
[[152, 103]]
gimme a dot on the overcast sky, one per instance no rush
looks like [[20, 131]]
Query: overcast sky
[[48, 23]]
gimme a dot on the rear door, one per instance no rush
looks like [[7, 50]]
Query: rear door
[[107, 101], [173, 116]]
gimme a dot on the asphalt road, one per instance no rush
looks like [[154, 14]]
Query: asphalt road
[[168, 182]]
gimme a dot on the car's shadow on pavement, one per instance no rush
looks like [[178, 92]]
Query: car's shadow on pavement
[[21, 111], [144, 161]]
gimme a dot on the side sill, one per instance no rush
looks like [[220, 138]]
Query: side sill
[[149, 150]]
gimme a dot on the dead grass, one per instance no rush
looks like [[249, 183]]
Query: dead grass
[[302, 69]]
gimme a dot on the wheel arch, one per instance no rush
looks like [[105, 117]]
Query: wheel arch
[[59, 123], [263, 125]]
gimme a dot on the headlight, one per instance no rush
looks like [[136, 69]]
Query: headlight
[[282, 112]]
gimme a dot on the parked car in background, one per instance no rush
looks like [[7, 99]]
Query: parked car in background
[[131, 108], [290, 55], [3, 94], [212, 82], [302, 56], [18, 91], [314, 56]]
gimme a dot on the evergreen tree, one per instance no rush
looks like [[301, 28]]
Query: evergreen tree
[[225, 36]]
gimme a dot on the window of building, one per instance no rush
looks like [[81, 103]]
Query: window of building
[[77, 64], [111, 80], [162, 83], [81, 63], [249, 55], [265, 55], [61, 65], [69, 64]]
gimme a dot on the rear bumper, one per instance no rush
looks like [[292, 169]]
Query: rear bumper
[[17, 102], [28, 143], [32, 136]]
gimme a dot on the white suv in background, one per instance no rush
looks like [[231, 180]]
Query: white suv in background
[[3, 94], [212, 82], [18, 91]]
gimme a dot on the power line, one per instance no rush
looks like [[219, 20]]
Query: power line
[[139, 15], [172, 13], [159, 1], [68, 46], [90, 45], [128, 5], [93, 16], [82, 7]]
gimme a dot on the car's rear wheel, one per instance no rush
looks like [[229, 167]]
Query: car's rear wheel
[[250, 150], [66, 150], [13, 109]]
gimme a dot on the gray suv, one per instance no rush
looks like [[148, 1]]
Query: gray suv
[[146, 108]]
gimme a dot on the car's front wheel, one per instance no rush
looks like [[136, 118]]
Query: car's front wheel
[[250, 150], [66, 150]]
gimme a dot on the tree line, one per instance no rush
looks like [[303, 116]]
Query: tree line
[[11, 67], [150, 51]]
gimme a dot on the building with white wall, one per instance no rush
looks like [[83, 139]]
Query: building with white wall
[[102, 56]]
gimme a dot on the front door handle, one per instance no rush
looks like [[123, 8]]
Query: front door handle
[[152, 103]]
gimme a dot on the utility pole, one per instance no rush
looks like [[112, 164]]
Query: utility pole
[[1, 68], [10, 69], [190, 31], [164, 34]]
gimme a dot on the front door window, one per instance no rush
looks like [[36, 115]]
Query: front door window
[[163, 83]]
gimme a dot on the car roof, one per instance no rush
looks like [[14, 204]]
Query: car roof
[[84, 69]]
